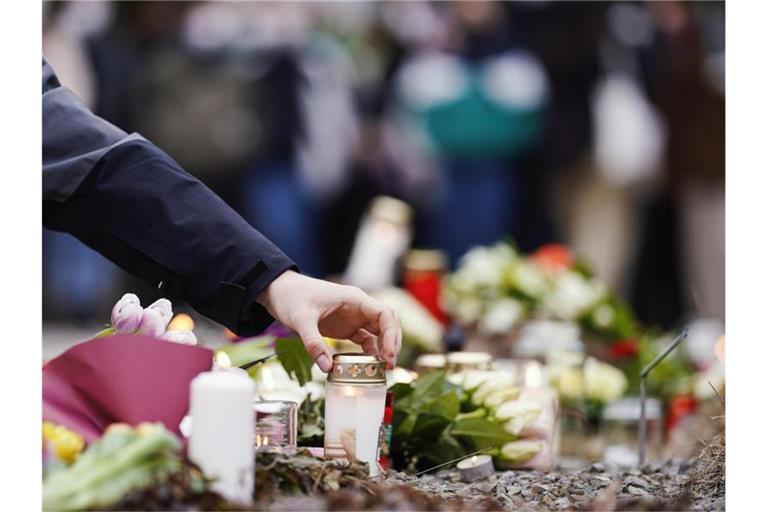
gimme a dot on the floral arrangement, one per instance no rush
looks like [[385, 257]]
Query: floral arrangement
[[497, 288], [438, 418], [130, 318]]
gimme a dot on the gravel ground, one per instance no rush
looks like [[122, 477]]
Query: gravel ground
[[659, 487]]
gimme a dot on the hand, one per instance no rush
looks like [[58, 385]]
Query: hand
[[315, 308]]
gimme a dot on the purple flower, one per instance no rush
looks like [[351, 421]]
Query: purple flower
[[155, 318], [127, 313]]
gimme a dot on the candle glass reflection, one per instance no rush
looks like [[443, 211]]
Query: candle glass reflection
[[276, 425]]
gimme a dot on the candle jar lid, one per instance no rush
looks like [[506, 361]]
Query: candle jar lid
[[358, 368], [459, 361]]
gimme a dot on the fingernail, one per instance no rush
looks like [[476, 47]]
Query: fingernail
[[323, 362]]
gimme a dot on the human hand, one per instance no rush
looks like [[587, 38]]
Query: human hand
[[315, 308]]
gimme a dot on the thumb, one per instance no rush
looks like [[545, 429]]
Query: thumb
[[314, 343]]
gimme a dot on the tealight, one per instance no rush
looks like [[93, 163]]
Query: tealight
[[354, 408], [475, 467]]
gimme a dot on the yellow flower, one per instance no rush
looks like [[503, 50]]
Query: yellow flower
[[66, 444]]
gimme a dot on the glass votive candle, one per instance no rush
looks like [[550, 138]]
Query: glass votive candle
[[276, 425], [354, 408]]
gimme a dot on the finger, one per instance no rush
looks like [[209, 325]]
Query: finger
[[367, 340], [388, 327], [314, 342]]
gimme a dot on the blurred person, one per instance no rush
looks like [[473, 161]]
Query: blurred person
[[127, 199], [478, 96], [690, 97]]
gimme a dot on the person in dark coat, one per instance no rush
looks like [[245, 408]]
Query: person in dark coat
[[127, 199]]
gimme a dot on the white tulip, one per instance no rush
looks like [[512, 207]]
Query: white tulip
[[518, 414], [183, 336]]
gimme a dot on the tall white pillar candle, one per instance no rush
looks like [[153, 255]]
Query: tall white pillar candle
[[223, 431]]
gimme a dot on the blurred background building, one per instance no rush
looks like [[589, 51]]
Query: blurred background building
[[595, 124]]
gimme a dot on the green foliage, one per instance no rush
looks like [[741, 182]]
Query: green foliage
[[429, 427], [121, 461], [294, 358], [481, 432]]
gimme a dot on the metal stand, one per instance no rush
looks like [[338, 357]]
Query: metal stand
[[643, 378]]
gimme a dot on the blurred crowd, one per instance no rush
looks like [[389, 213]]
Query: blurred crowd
[[596, 124]]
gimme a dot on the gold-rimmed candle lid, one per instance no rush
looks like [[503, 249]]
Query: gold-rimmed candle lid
[[358, 368]]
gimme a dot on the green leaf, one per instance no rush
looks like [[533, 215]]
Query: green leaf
[[294, 358], [429, 425], [482, 432], [400, 391], [403, 423], [426, 389], [247, 351], [446, 405]]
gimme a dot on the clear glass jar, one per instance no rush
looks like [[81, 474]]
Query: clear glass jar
[[355, 395], [621, 427], [276, 425]]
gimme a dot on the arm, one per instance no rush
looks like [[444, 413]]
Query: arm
[[127, 199]]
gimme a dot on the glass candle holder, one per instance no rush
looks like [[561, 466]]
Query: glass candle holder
[[354, 408], [276, 425], [621, 425]]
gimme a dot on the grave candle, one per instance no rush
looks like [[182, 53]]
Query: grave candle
[[221, 407], [354, 408]]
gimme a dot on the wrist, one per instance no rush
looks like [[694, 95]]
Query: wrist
[[270, 296]]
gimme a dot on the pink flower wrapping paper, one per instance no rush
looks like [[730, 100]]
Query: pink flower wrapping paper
[[122, 378]]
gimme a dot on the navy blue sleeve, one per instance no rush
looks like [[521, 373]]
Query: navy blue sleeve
[[135, 205]]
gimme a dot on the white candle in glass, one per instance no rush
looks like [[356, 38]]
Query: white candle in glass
[[354, 408], [221, 406]]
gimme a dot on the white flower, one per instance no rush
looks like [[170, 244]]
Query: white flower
[[468, 310], [155, 318], [182, 336], [274, 383], [126, 314], [518, 414], [603, 315], [521, 451], [474, 378], [501, 316], [572, 296], [604, 383], [495, 383], [527, 277], [416, 321], [485, 266], [501, 395]]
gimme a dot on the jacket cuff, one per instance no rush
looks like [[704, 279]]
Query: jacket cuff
[[237, 300]]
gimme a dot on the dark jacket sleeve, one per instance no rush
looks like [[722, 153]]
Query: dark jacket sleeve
[[130, 201]]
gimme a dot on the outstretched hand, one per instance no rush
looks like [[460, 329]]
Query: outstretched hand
[[315, 308]]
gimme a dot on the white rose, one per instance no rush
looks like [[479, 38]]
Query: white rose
[[572, 296], [501, 316]]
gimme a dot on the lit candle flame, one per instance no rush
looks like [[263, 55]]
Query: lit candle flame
[[261, 441], [181, 322], [222, 360]]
